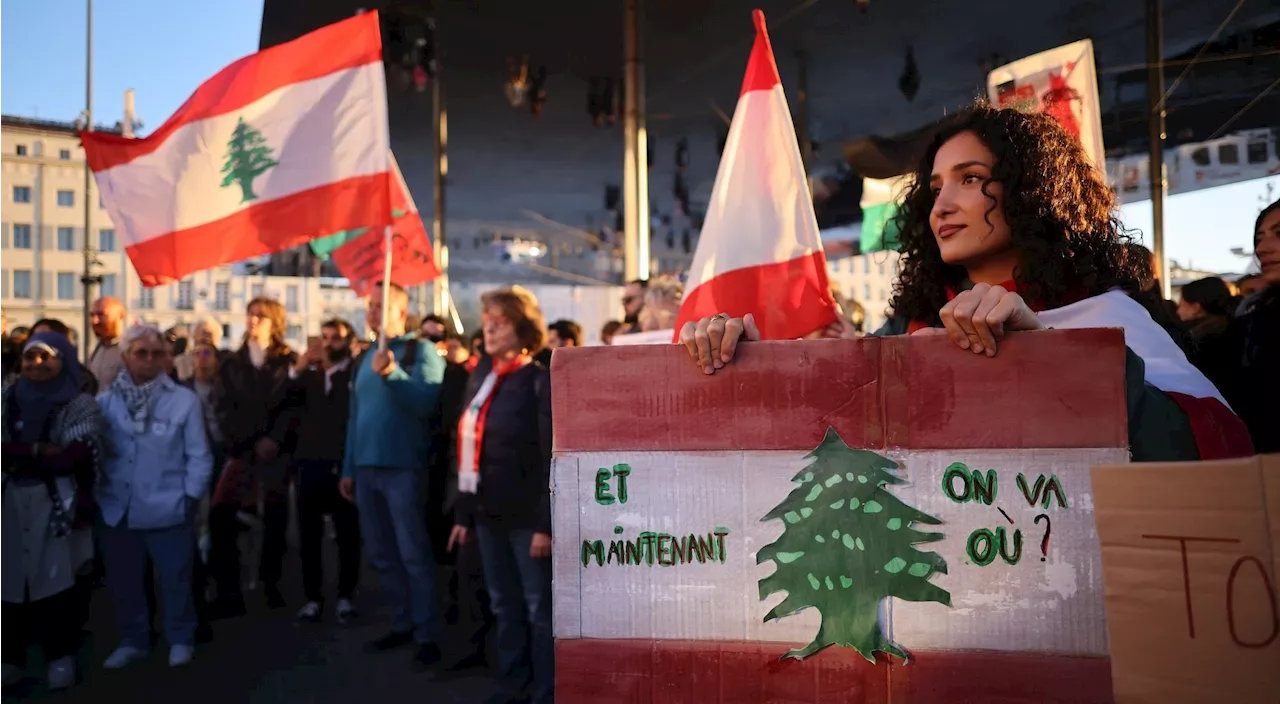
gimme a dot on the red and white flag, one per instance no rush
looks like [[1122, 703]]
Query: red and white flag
[[760, 251], [278, 148], [362, 258]]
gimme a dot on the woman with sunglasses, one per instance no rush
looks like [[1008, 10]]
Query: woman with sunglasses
[[52, 433]]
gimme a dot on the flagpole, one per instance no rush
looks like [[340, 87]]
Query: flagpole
[[87, 279], [386, 289]]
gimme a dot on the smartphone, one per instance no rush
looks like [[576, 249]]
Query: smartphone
[[313, 341]]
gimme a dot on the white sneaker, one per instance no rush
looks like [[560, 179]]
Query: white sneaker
[[180, 655], [12, 674], [62, 673], [124, 656], [345, 611], [309, 612]]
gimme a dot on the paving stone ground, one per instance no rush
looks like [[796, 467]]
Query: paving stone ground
[[261, 658]]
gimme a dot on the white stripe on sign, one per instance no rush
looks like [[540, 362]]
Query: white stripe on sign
[[319, 131], [645, 560], [761, 200]]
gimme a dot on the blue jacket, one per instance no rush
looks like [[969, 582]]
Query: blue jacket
[[390, 424], [150, 476]]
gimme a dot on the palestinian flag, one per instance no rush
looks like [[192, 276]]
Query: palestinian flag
[[880, 198]]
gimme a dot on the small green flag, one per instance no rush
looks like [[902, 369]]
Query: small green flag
[[879, 212], [324, 246]]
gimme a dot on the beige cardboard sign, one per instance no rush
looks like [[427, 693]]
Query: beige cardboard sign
[[1190, 556]]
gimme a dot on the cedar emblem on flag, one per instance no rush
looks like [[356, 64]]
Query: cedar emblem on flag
[[280, 148]]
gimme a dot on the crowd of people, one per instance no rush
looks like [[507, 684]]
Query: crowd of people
[[154, 465], [148, 465]]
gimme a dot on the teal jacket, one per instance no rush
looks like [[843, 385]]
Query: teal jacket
[[392, 416]]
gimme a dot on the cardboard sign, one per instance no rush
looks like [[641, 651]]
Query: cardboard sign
[[1191, 554], [818, 512]]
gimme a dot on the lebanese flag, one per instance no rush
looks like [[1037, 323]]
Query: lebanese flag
[[362, 257], [760, 251], [1219, 432], [278, 148]]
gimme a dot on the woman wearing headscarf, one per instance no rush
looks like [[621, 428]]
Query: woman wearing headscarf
[[52, 436]]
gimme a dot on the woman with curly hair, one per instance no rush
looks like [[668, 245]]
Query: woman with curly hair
[[1008, 226]]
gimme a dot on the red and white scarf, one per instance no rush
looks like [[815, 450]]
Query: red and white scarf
[[471, 427]]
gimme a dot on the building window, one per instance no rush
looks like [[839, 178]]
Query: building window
[[1229, 154], [22, 237], [66, 199], [66, 239], [256, 290], [20, 150], [293, 332], [66, 286], [108, 285], [226, 331], [866, 265], [106, 240], [147, 298], [866, 292], [64, 154], [22, 284], [186, 295], [291, 299], [22, 194], [222, 296]]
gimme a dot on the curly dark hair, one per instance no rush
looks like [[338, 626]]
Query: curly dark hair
[[1060, 211]]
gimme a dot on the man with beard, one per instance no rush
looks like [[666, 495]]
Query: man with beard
[[322, 391], [434, 328]]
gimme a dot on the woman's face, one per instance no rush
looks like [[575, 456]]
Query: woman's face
[[203, 334], [39, 364], [257, 323], [499, 332], [966, 233], [206, 359], [1266, 247], [1188, 311]]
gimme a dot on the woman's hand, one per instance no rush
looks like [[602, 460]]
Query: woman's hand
[[457, 537], [713, 341], [978, 319], [540, 546], [839, 329]]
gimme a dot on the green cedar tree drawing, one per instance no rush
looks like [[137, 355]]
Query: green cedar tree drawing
[[847, 544], [248, 157]]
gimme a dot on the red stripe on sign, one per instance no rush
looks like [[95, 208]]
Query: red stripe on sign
[[788, 299], [343, 45], [1046, 389], [591, 671], [261, 229]]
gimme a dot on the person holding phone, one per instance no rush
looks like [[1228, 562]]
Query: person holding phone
[[321, 388]]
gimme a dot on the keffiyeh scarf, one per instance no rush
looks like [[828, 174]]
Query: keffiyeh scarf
[[136, 397]]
